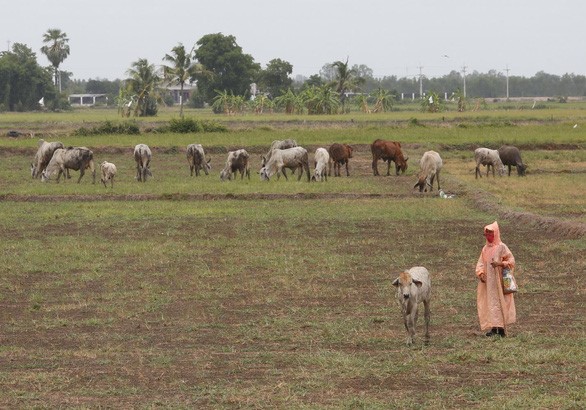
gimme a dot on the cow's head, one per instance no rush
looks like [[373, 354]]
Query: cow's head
[[225, 174], [521, 168], [422, 183], [406, 286], [45, 176], [350, 150], [206, 166], [264, 174]]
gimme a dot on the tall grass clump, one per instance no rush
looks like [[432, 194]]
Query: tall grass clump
[[108, 127], [190, 125]]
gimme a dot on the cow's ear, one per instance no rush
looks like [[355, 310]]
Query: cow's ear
[[406, 159], [418, 283], [396, 282], [209, 159], [416, 185]]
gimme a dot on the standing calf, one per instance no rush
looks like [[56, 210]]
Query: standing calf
[[108, 173], [413, 287]]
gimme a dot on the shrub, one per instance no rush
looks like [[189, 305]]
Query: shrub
[[189, 125], [107, 127]]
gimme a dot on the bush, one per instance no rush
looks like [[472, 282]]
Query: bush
[[107, 127], [189, 125]]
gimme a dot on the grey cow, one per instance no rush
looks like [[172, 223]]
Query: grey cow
[[76, 158]]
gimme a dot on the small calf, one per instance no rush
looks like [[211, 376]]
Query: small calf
[[108, 173], [413, 287]]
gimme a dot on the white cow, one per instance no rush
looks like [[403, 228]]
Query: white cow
[[277, 144], [142, 156], [413, 287], [108, 173], [490, 158], [431, 165], [196, 159], [321, 158], [43, 156], [238, 161], [291, 158]]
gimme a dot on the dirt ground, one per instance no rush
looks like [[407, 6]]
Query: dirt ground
[[265, 345]]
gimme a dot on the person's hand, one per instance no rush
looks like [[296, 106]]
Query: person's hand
[[482, 277], [496, 263]]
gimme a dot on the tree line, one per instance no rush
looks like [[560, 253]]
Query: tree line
[[224, 75]]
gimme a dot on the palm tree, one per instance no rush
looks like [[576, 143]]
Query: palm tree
[[142, 83], [182, 68], [347, 79], [56, 50]]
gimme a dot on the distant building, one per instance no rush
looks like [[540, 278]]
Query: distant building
[[175, 92], [87, 100]]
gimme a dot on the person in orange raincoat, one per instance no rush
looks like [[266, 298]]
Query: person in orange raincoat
[[496, 310]]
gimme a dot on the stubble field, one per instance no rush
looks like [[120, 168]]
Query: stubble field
[[191, 293]]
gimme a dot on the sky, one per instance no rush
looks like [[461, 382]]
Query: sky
[[392, 37]]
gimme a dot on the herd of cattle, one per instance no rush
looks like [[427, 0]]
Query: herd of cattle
[[53, 160]]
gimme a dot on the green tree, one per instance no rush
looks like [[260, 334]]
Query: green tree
[[345, 79], [275, 79], [141, 87], [181, 69], [56, 49], [23, 82], [227, 67]]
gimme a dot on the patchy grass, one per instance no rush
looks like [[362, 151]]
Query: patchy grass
[[190, 293]]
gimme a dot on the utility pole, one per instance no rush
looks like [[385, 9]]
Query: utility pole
[[507, 70], [420, 81], [464, 79]]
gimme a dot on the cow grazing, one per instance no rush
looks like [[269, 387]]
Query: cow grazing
[[43, 156], [413, 287], [196, 160], [340, 154], [511, 157], [277, 144], [388, 151], [76, 158], [322, 159], [142, 157], [238, 161], [108, 171], [292, 158], [490, 158], [431, 165]]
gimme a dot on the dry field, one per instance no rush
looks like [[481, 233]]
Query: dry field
[[190, 293]]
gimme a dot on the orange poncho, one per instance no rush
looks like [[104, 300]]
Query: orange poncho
[[489, 295]]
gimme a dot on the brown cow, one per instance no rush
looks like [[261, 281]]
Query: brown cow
[[388, 151], [339, 155]]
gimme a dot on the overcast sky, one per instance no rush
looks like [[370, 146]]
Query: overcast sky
[[392, 37]]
